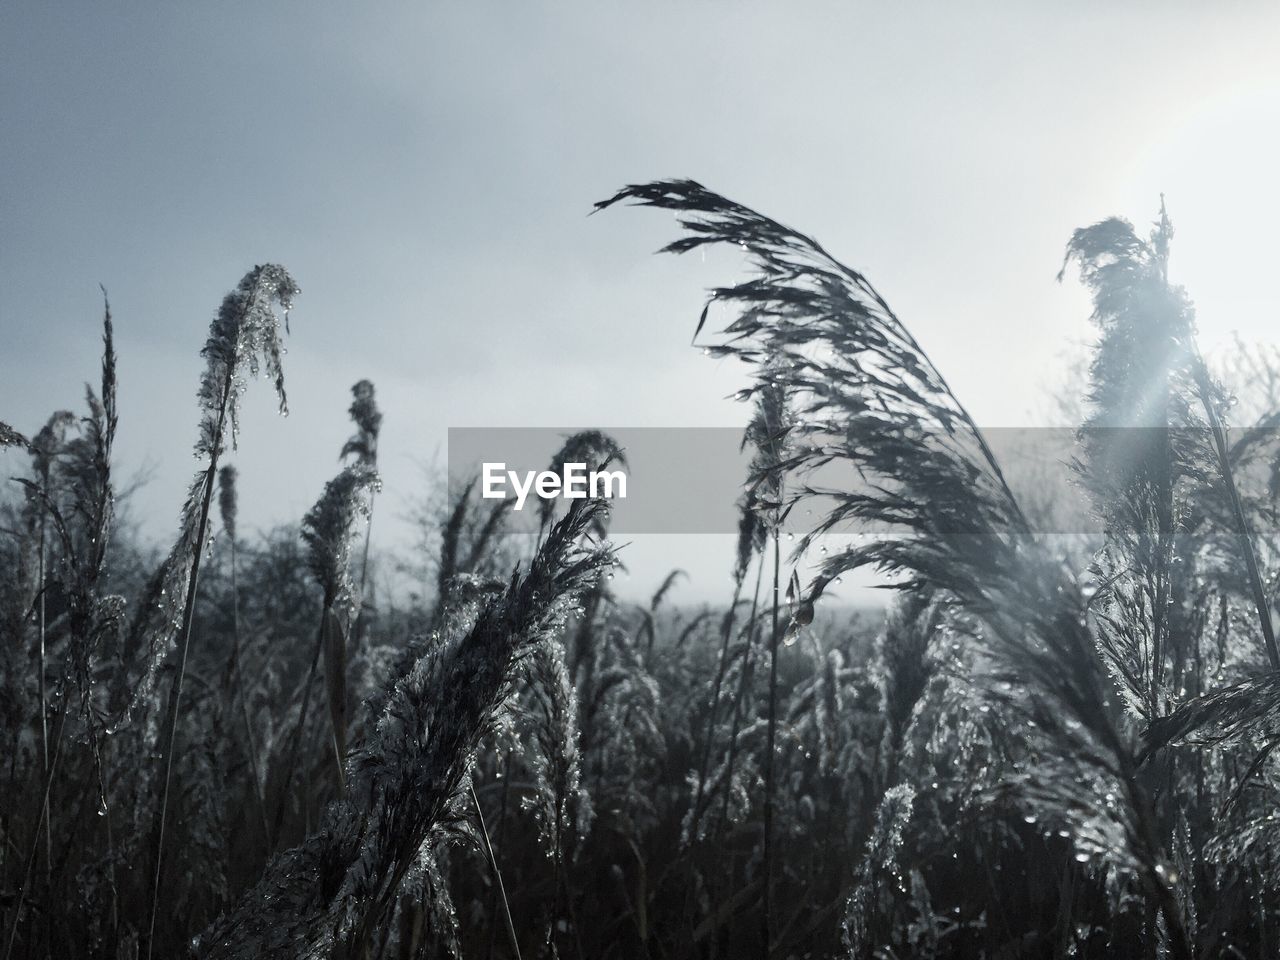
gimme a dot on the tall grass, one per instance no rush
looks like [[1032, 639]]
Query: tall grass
[[1027, 755]]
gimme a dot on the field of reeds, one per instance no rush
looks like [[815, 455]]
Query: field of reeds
[[234, 749]]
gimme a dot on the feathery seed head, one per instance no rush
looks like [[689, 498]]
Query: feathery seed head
[[47, 444], [243, 337], [368, 420], [227, 502], [329, 526], [10, 437]]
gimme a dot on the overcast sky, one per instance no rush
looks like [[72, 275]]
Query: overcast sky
[[425, 171]]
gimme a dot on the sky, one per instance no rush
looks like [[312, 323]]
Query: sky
[[425, 170]]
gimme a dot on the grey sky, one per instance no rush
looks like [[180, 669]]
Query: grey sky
[[425, 171]]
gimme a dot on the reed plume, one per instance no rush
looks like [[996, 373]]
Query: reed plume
[[243, 339], [409, 781], [72, 497], [327, 530], [10, 437], [363, 446]]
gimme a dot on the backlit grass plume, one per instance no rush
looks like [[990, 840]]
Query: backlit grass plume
[[243, 339], [1155, 461], [879, 872], [328, 529], [1178, 539], [228, 503], [10, 437], [864, 393], [561, 805], [410, 779], [592, 447], [904, 669], [363, 445]]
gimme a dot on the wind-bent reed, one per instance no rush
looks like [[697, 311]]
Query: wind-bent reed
[[865, 393]]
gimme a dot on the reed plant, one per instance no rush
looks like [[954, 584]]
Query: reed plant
[[1033, 750]]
